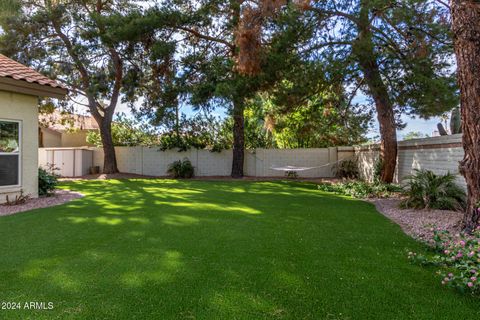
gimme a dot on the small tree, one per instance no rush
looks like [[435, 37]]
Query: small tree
[[414, 135]]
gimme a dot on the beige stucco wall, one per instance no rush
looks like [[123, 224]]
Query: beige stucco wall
[[55, 139], [75, 139], [51, 138], [14, 106]]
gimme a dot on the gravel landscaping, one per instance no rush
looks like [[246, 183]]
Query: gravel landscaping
[[419, 224], [59, 197]]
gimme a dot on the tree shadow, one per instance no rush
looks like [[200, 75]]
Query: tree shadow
[[161, 249]]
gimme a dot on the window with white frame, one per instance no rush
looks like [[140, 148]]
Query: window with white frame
[[10, 135]]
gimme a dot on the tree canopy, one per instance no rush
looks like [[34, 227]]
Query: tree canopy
[[286, 73], [80, 44], [398, 53]]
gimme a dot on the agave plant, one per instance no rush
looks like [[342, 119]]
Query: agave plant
[[425, 189]]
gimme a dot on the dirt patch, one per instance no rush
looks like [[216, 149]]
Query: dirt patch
[[419, 224], [59, 197]]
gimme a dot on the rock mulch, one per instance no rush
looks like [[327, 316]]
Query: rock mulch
[[59, 197], [419, 224]]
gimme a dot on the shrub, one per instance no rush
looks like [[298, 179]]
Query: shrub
[[458, 257], [361, 189], [425, 189], [181, 169], [47, 182], [346, 169], [377, 170]]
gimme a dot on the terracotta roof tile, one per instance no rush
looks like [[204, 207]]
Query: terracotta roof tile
[[12, 69]]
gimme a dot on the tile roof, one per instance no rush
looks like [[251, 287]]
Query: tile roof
[[12, 69]]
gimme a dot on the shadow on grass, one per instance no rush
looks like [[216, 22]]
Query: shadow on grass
[[203, 249]]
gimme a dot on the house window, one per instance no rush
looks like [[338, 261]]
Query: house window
[[9, 153]]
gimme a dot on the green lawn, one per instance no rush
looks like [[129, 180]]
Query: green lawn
[[159, 249]]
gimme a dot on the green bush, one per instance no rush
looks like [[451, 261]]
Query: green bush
[[361, 189], [47, 182], [377, 170], [347, 169], [181, 169], [425, 189]]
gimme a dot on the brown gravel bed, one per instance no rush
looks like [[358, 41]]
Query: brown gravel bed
[[60, 197], [419, 223]]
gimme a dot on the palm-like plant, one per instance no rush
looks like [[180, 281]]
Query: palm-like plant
[[425, 189], [181, 169]]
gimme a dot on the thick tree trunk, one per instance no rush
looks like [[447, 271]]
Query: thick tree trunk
[[386, 121], [109, 156], [238, 139], [384, 107], [466, 32]]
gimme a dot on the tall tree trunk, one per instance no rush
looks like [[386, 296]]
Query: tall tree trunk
[[40, 138], [386, 120], [385, 114], [109, 156], [238, 138], [466, 32]]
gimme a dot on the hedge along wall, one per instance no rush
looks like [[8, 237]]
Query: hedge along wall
[[258, 163], [439, 154]]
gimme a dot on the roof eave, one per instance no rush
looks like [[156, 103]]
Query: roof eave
[[31, 88]]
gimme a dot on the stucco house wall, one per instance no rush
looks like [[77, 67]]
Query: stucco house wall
[[55, 139], [23, 108], [20, 89], [50, 138], [75, 139]]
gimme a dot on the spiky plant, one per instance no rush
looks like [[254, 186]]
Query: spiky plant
[[181, 169], [425, 189]]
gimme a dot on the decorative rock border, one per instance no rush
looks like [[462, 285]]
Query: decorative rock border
[[59, 197]]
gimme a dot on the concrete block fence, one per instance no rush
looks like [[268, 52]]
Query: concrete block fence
[[439, 154], [258, 163]]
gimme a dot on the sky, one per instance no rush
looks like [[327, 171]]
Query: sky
[[418, 125], [413, 124]]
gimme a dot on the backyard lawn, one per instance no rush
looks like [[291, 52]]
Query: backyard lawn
[[160, 249]]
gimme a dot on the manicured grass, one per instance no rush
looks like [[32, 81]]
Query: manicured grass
[[159, 249]]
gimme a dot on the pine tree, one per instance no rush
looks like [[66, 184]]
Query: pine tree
[[232, 50], [81, 43], [397, 52]]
